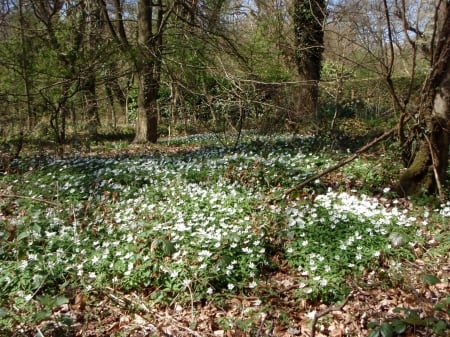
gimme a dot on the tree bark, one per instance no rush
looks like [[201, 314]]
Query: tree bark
[[309, 16], [148, 69], [429, 166]]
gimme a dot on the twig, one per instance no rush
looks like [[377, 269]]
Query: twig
[[347, 160], [39, 332], [326, 312], [17, 196], [261, 325]]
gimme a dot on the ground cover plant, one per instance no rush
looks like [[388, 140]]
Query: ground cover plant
[[197, 226]]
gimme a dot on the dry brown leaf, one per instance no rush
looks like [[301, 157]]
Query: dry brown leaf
[[79, 302]]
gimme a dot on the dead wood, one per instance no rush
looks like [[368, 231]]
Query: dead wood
[[16, 196], [343, 162]]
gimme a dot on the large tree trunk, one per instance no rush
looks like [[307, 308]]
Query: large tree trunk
[[428, 169], [309, 17], [147, 113], [148, 67]]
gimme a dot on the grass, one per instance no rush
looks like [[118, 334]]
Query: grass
[[195, 226]]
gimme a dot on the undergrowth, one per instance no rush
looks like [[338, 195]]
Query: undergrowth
[[193, 226]]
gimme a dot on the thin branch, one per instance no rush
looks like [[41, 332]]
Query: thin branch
[[16, 196], [326, 312], [347, 160]]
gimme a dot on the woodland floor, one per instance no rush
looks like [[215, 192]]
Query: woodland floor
[[111, 313], [276, 312]]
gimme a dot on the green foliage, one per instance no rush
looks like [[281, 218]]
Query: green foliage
[[189, 226], [339, 235]]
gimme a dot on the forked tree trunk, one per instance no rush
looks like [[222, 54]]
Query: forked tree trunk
[[428, 169]]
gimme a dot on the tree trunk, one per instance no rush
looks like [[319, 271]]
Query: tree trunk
[[147, 112], [309, 16], [429, 166], [148, 68], [90, 99]]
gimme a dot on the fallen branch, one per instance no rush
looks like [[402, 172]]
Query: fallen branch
[[326, 312], [347, 160], [17, 196]]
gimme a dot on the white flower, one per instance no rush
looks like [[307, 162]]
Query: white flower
[[252, 285], [305, 243], [32, 257], [209, 291], [23, 265], [230, 286], [92, 275], [95, 259], [311, 315]]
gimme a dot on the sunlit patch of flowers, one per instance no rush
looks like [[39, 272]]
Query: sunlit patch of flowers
[[338, 234], [167, 223], [192, 224]]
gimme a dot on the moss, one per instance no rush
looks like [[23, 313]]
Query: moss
[[419, 176]]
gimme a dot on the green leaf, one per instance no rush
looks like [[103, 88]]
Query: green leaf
[[375, 332], [442, 305], [168, 247], [431, 279], [60, 300], [45, 300], [386, 330], [23, 235], [398, 326], [440, 326], [42, 315], [224, 261]]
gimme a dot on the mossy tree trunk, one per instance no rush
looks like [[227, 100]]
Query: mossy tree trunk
[[429, 166]]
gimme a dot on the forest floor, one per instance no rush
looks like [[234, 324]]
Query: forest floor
[[411, 298], [278, 312]]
